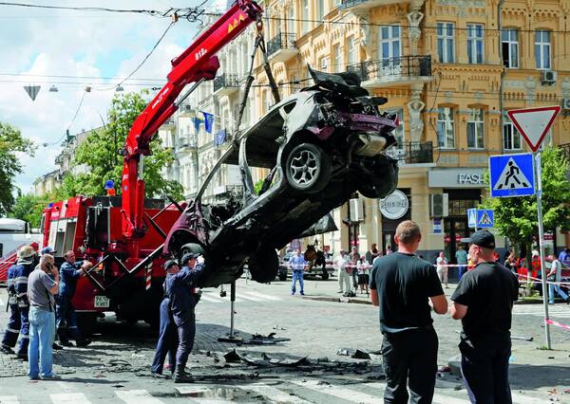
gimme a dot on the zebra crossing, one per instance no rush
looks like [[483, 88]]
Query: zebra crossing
[[559, 310], [304, 391], [241, 296]]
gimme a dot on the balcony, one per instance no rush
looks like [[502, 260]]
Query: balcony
[[409, 153], [282, 48], [565, 148], [226, 84], [402, 70], [365, 5]]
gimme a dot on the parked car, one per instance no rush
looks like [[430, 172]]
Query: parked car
[[321, 145]]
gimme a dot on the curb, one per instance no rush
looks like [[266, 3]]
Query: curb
[[337, 299]]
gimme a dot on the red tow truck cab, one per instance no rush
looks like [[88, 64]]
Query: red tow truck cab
[[91, 228]]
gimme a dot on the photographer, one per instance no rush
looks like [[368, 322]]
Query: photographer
[[43, 284]]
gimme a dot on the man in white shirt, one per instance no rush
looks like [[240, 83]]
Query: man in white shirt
[[343, 276]]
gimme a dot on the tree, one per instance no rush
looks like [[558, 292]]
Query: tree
[[11, 144], [99, 154], [29, 208], [517, 218]]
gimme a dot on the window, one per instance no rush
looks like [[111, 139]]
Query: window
[[291, 22], [475, 129], [337, 59], [445, 128], [542, 49], [320, 9], [305, 16], [351, 51], [475, 43], [511, 136], [445, 42], [390, 49], [511, 48], [324, 64]]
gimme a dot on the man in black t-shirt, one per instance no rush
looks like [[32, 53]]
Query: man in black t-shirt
[[483, 301], [402, 285]]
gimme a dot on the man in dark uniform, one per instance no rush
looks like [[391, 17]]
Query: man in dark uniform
[[14, 322], [484, 301], [66, 319], [181, 292], [402, 284], [24, 266], [167, 335]]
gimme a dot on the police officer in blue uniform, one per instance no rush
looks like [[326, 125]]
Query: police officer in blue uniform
[[14, 322], [66, 319], [168, 333], [180, 289], [24, 267]]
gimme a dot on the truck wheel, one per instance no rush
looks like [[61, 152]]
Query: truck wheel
[[86, 322], [282, 277], [263, 265], [308, 168], [325, 275]]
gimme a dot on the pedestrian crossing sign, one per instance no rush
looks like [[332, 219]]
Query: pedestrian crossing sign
[[512, 175], [480, 218]]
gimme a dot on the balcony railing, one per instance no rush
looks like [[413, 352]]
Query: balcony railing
[[226, 81], [393, 69], [282, 42], [412, 153], [366, 4]]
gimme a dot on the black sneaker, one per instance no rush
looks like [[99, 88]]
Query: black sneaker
[[6, 349], [82, 343], [22, 356], [68, 344], [56, 347]]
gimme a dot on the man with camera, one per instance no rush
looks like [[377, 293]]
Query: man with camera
[[43, 285]]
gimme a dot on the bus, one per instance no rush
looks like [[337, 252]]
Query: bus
[[14, 233]]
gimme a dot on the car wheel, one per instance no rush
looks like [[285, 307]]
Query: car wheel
[[308, 168], [379, 183], [325, 276], [190, 248], [263, 265], [282, 277]]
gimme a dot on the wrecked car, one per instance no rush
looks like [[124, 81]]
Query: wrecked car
[[320, 145]]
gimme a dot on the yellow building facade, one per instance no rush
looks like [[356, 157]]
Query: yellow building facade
[[451, 70]]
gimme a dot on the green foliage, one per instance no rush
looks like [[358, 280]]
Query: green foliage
[[517, 218], [98, 153], [11, 144]]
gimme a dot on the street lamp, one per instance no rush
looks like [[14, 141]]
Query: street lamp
[[53, 89], [119, 89]]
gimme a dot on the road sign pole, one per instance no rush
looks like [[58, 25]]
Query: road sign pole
[[545, 289]]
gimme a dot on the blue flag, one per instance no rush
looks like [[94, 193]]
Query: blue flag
[[220, 137], [197, 123], [208, 121]]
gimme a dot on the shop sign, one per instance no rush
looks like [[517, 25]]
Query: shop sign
[[456, 178], [395, 205], [436, 226]]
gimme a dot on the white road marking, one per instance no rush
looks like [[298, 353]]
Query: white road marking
[[9, 400], [250, 298], [274, 395], [75, 398], [137, 397], [66, 386], [340, 392], [263, 296]]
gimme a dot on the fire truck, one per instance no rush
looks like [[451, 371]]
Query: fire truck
[[123, 236]]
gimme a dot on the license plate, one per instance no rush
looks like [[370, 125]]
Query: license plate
[[102, 302]]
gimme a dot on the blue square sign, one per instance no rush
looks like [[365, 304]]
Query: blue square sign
[[512, 175], [480, 218]]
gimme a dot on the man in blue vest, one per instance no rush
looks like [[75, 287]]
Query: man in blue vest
[[66, 319], [14, 322], [180, 289], [297, 264], [24, 266], [167, 333]]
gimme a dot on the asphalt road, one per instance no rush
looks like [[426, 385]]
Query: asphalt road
[[115, 368]]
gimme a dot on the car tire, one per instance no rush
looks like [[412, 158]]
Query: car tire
[[282, 277], [190, 248], [325, 276], [308, 168], [263, 265], [379, 183]]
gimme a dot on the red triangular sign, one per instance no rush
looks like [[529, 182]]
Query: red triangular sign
[[534, 123]]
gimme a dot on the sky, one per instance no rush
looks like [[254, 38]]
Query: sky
[[84, 48]]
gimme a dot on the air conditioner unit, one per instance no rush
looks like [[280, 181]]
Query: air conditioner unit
[[548, 77], [356, 210], [565, 103], [439, 205]]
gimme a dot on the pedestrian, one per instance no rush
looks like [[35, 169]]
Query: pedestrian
[[24, 266], [341, 263], [511, 262], [43, 285], [354, 258], [461, 257], [442, 268], [167, 335], [181, 291], [14, 322], [554, 278], [402, 285], [362, 268], [483, 301], [298, 265], [564, 256], [66, 319], [372, 253], [389, 250]]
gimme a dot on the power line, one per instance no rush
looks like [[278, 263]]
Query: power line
[[154, 13]]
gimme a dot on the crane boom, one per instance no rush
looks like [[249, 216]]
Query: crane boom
[[197, 62]]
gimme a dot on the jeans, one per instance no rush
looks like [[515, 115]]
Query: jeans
[[461, 271], [558, 289], [66, 319], [297, 275], [42, 332], [410, 356], [485, 369]]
